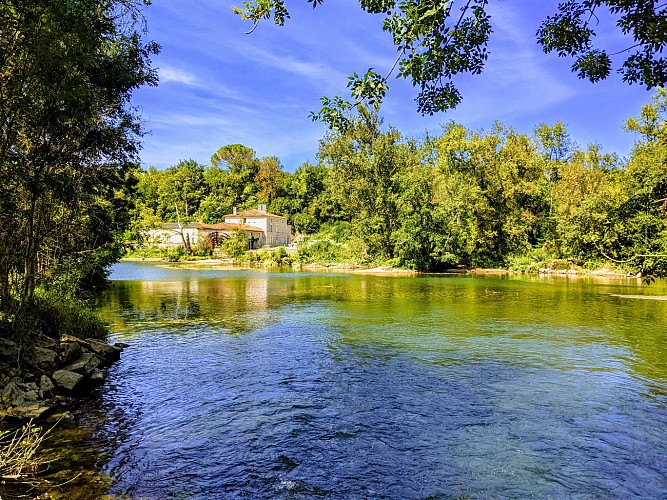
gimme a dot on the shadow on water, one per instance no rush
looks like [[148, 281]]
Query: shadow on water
[[301, 385]]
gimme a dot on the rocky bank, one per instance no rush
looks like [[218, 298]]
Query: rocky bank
[[58, 371]]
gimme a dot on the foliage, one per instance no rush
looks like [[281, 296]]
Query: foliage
[[68, 142], [53, 315], [570, 32], [270, 257], [492, 198], [236, 245], [438, 40]]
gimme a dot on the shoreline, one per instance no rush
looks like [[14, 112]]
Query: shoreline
[[229, 264]]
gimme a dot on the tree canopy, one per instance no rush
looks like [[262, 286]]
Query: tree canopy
[[68, 141], [495, 198], [438, 40]]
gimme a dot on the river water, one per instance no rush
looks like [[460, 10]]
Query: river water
[[258, 384]]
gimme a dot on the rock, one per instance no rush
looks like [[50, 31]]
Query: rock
[[67, 380], [46, 359], [8, 349], [70, 351], [98, 376], [27, 412], [30, 386], [31, 396], [49, 343], [121, 345], [109, 352], [12, 395], [46, 387], [85, 364]]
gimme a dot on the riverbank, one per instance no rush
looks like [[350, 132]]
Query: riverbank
[[389, 270], [52, 374]]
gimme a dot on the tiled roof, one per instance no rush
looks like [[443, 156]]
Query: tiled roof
[[255, 213], [174, 225], [227, 226]]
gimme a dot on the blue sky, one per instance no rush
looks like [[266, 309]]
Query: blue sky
[[219, 86]]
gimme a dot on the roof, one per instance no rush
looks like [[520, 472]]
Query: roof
[[227, 226], [174, 225], [255, 213]]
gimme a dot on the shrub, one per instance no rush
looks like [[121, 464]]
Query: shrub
[[56, 315], [235, 246]]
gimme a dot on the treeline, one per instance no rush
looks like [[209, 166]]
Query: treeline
[[493, 198], [68, 140]]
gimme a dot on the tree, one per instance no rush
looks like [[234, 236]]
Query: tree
[[269, 179], [236, 245], [647, 173], [589, 201], [242, 166], [181, 189], [68, 138], [364, 162], [438, 40]]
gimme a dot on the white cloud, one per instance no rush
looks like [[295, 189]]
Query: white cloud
[[315, 71], [169, 74]]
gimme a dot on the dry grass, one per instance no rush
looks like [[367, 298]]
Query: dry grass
[[19, 460]]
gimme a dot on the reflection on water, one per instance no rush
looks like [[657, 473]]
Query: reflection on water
[[299, 385]]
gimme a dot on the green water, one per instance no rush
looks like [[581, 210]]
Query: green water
[[261, 384]]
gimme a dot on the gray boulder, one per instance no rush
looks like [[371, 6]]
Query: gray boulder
[[67, 380], [70, 351], [109, 352], [46, 387], [46, 359], [98, 376], [12, 395], [86, 364]]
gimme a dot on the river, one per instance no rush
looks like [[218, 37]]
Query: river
[[259, 384]]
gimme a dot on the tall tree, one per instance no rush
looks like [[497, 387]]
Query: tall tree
[[241, 164], [364, 161], [269, 179], [68, 136], [647, 172]]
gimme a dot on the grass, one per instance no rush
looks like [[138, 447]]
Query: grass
[[19, 458]]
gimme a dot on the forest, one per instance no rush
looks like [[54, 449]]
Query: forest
[[465, 198]]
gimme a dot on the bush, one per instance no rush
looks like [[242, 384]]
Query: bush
[[54, 316], [235, 246]]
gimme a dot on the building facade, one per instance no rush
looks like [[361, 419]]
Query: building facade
[[262, 228], [275, 229]]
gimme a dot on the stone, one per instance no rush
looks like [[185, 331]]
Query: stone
[[108, 352], [49, 343], [98, 376], [70, 351], [46, 387], [12, 395], [28, 412], [8, 349], [30, 386], [46, 359], [121, 345], [85, 364], [31, 396], [67, 380]]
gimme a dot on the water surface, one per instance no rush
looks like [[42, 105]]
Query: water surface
[[257, 384]]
